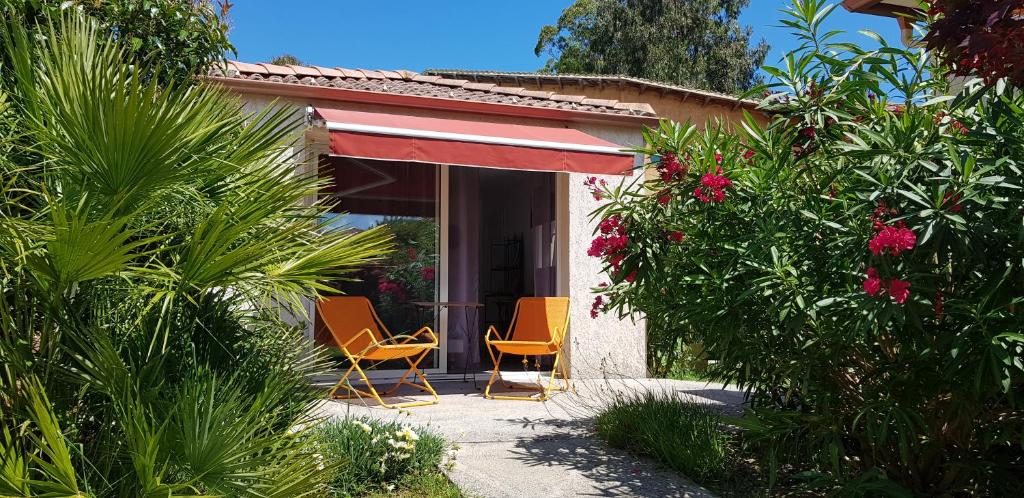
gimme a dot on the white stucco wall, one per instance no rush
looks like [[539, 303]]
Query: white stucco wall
[[601, 347], [605, 346]]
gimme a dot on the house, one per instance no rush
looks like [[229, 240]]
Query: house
[[482, 184]]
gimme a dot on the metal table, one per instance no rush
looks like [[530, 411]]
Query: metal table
[[469, 308]]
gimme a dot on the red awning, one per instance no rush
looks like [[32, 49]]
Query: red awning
[[462, 142]]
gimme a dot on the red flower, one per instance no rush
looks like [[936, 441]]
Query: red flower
[[893, 240], [899, 290], [712, 187], [412, 253], [873, 284], [669, 167], [748, 154], [664, 199], [595, 187], [675, 236], [427, 272], [631, 277], [718, 158], [809, 132], [939, 308], [594, 308]]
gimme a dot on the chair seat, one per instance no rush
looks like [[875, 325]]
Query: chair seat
[[394, 351], [525, 348]]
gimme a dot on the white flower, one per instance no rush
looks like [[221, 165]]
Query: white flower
[[366, 428]]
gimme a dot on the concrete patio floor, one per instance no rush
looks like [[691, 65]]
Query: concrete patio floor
[[531, 449]]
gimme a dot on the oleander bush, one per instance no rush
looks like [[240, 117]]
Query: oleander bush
[[856, 263], [376, 456]]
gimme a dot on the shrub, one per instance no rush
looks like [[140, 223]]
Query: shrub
[[684, 435], [855, 263], [374, 455]]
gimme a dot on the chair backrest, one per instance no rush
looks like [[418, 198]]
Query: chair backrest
[[540, 319], [346, 316]]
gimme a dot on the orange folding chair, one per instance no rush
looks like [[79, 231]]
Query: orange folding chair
[[360, 335], [538, 328]]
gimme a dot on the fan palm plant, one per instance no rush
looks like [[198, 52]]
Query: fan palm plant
[[151, 240]]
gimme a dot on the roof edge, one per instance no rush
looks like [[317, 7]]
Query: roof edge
[[642, 83], [876, 7], [281, 89]]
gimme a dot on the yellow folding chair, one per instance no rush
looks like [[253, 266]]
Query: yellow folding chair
[[360, 335], [538, 328]]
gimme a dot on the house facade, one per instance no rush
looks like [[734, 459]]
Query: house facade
[[483, 187]]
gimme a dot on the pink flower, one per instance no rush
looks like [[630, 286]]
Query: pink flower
[[712, 187], [873, 284], [596, 307], [670, 168], [718, 158], [899, 290], [893, 240]]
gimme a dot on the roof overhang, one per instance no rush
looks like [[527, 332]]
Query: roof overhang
[[280, 89], [887, 8]]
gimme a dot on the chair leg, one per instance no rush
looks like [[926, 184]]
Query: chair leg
[[545, 392], [424, 384], [372, 393]]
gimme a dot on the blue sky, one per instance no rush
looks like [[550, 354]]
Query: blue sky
[[464, 34]]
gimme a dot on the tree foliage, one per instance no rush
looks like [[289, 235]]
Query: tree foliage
[[286, 60], [695, 43], [856, 264], [173, 39]]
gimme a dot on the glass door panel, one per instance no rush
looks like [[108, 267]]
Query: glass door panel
[[405, 197]]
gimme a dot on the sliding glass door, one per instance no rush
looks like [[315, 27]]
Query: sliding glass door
[[406, 197]]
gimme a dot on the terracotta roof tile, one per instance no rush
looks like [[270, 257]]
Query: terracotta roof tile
[[329, 72], [568, 98], [245, 67], [371, 74], [392, 75], [279, 70], [425, 79], [304, 70], [411, 83], [512, 78], [600, 102], [537, 94], [483, 87]]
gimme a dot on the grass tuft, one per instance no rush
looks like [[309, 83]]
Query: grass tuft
[[681, 434]]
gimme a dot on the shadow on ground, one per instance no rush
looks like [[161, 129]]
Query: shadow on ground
[[609, 472]]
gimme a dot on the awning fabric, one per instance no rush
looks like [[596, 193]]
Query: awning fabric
[[464, 142]]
